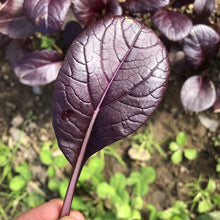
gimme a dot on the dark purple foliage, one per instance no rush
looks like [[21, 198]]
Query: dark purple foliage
[[143, 6], [201, 44], [198, 93], [203, 9], [4, 40], [104, 74], [180, 3], [13, 22], [38, 68], [14, 51], [47, 16], [216, 105], [112, 80], [174, 25], [89, 11], [71, 31]]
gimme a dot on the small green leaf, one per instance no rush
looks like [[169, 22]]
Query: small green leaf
[[135, 214], [123, 211], [133, 178], [118, 181], [78, 204], [47, 42], [97, 179], [96, 165], [34, 199], [140, 188], [173, 146], [216, 199], [53, 184], [190, 153], [85, 174], [17, 183], [137, 203], [3, 160], [218, 167], [148, 175], [181, 139], [204, 206], [63, 187], [211, 186], [46, 157], [24, 171], [104, 190], [60, 161], [51, 172], [177, 157]]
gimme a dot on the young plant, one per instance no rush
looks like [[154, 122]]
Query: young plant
[[14, 181], [145, 142], [177, 212], [216, 140], [53, 162], [205, 199], [179, 149], [218, 166]]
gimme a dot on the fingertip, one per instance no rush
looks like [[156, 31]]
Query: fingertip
[[67, 218], [77, 215]]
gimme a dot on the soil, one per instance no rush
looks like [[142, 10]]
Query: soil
[[18, 102]]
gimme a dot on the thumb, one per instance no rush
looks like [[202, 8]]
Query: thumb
[[74, 215], [67, 218]]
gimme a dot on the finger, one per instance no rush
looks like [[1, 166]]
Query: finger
[[67, 218], [77, 215], [47, 211]]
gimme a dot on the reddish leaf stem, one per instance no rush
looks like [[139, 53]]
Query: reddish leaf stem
[[76, 172]]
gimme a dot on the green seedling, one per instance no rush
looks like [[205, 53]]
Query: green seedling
[[210, 216], [218, 166], [216, 140], [205, 199], [19, 181], [14, 181], [111, 151], [177, 212], [47, 43], [146, 141], [179, 149], [116, 199], [53, 162]]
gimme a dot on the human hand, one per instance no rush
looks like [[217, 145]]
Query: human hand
[[49, 211]]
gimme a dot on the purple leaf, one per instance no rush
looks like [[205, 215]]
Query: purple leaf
[[201, 44], [71, 31], [203, 9], [216, 105], [47, 16], [143, 6], [17, 49], [14, 51], [180, 3], [4, 40], [112, 80], [198, 93], [13, 22], [89, 11], [174, 25], [38, 68]]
